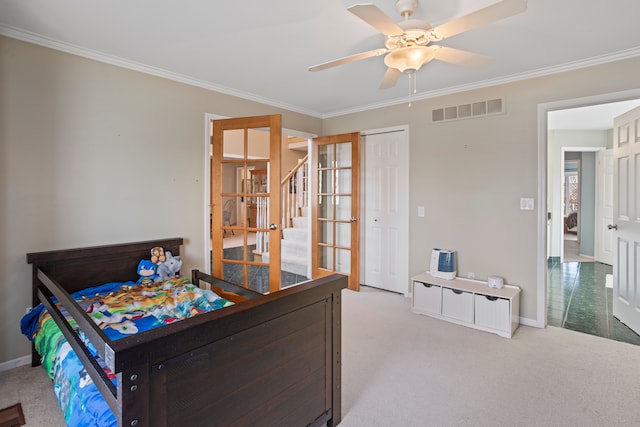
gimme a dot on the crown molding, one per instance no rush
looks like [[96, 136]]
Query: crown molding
[[40, 40], [541, 72]]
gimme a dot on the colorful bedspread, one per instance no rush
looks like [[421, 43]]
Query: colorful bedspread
[[119, 309]]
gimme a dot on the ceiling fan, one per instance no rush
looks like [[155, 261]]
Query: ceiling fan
[[408, 43]]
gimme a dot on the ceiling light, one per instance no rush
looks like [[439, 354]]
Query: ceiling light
[[409, 58]]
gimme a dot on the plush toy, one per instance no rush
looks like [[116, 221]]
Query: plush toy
[[169, 268], [157, 255], [147, 270]]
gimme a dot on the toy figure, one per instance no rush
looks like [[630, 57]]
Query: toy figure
[[157, 255], [169, 268], [147, 271]]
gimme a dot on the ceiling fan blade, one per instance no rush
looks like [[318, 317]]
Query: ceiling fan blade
[[489, 14], [372, 15], [390, 78], [461, 57], [347, 59]]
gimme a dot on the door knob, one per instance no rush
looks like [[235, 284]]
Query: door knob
[[273, 227], [612, 226], [353, 219]]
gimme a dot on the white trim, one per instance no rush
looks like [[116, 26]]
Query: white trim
[[84, 52], [543, 110], [11, 364], [40, 40], [525, 321], [208, 118], [541, 72]]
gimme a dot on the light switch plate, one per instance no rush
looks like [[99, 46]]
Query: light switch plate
[[526, 204]]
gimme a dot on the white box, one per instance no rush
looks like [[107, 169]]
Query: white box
[[492, 312], [457, 304], [427, 298]]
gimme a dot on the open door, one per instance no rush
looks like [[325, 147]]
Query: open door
[[247, 150], [336, 206], [626, 216], [604, 236]]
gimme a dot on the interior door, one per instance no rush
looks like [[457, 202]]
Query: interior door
[[250, 144], [385, 211], [336, 206], [604, 207], [626, 214]]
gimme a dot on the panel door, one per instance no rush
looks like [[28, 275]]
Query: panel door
[[385, 211], [604, 207], [626, 213]]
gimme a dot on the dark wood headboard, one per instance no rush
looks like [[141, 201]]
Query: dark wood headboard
[[80, 268]]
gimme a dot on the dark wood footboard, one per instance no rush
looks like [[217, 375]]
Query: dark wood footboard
[[270, 360]]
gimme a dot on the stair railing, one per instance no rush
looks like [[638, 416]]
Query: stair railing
[[294, 192]]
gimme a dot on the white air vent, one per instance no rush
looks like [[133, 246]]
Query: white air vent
[[465, 111]]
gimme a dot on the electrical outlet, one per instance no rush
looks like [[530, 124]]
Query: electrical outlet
[[471, 275], [421, 211]]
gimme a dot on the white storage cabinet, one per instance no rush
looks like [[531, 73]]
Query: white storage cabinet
[[467, 302]]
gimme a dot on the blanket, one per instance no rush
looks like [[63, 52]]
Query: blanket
[[119, 309]]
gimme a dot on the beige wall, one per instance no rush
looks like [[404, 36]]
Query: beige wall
[[93, 154], [470, 174]]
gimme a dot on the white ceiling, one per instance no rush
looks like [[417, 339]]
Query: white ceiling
[[261, 50]]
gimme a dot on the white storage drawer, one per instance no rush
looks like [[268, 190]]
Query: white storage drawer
[[457, 304], [492, 312], [427, 298], [467, 302]]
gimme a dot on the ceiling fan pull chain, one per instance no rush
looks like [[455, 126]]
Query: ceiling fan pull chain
[[412, 85]]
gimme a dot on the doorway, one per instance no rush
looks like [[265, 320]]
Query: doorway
[[565, 285], [335, 163]]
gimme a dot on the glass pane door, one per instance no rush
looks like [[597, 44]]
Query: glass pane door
[[246, 202], [336, 206]]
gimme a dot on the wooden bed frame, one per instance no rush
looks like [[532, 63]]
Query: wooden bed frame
[[270, 360]]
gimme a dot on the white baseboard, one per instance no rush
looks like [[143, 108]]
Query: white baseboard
[[531, 322], [10, 364]]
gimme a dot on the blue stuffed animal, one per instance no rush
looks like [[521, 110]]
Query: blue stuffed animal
[[147, 271]]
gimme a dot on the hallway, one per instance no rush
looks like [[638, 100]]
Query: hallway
[[577, 299]]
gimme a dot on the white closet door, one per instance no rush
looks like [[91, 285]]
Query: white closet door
[[386, 210]]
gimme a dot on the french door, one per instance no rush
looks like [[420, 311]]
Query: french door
[[336, 206], [245, 201]]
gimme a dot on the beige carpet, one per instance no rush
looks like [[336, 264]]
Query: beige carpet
[[404, 369]]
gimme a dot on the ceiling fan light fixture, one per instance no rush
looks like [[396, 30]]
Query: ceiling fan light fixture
[[409, 58]]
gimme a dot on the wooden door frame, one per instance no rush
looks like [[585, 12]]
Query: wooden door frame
[[355, 139], [274, 123], [208, 118]]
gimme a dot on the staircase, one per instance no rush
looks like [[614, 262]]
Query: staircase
[[294, 247], [294, 250]]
